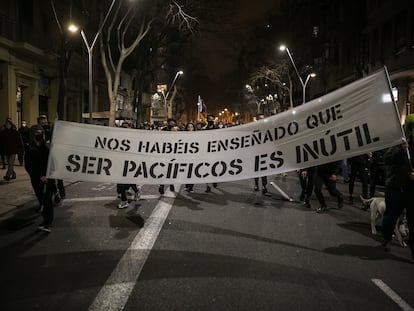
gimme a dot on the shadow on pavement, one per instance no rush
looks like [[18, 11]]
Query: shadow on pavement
[[364, 252]]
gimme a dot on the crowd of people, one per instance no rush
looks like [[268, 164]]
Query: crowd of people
[[30, 145]]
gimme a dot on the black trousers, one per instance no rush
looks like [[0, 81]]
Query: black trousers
[[363, 173], [307, 183], [330, 185], [44, 192], [396, 201], [122, 189], [264, 181]]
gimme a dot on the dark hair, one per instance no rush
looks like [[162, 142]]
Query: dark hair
[[190, 123], [42, 116]]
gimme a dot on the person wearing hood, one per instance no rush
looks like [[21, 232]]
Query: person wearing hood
[[35, 162], [210, 126], [399, 188], [11, 144]]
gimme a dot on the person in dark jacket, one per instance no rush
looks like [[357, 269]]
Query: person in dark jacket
[[10, 145], [211, 125], [399, 189], [45, 126], [171, 126], [260, 116], [360, 166], [307, 180], [326, 175], [35, 161], [24, 132]]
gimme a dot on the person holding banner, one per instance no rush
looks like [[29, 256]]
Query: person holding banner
[[210, 126], [360, 166], [261, 116], [307, 180], [45, 126], [122, 189], [35, 162], [326, 175], [399, 189], [171, 126], [190, 127]]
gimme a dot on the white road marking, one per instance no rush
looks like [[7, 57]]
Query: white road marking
[[393, 295], [118, 287], [101, 187]]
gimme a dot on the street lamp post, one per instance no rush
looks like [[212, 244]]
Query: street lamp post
[[73, 28], [311, 75], [168, 109]]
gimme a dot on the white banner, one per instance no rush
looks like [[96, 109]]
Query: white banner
[[353, 120]]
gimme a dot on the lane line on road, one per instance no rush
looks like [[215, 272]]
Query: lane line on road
[[118, 287], [393, 295]]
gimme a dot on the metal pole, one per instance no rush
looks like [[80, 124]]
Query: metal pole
[[304, 88], [198, 108], [168, 93], [294, 65], [172, 83], [300, 78], [90, 59], [90, 87]]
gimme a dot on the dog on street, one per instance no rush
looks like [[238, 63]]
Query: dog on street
[[377, 208]]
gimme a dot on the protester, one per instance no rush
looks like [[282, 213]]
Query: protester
[[190, 127], [24, 132], [171, 125], [326, 174], [122, 189], [360, 166], [263, 178], [377, 171], [10, 145], [210, 126], [199, 126], [399, 189], [307, 181], [35, 161], [43, 123], [345, 171]]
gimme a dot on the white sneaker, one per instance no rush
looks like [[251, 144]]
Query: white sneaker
[[123, 204], [44, 229]]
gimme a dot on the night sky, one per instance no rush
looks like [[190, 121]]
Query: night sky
[[219, 49]]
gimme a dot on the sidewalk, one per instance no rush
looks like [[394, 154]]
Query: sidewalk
[[16, 192]]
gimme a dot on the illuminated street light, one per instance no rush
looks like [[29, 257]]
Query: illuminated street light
[[311, 75], [168, 108], [73, 28]]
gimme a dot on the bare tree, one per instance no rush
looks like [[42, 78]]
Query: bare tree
[[123, 36], [65, 54], [276, 75]]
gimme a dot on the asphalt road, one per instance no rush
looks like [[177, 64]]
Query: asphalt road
[[232, 249]]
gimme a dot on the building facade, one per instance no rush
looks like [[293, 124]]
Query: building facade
[[30, 48], [28, 65]]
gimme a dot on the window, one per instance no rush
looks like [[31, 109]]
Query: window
[[26, 11], [315, 31], [401, 33], [120, 103]]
